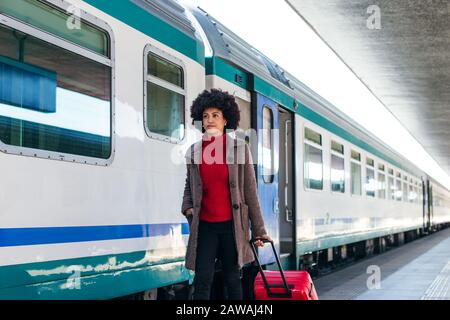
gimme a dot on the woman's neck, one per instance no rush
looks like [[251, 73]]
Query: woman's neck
[[214, 134]]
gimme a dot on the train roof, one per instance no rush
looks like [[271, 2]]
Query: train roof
[[293, 94], [169, 11], [164, 20], [233, 49]]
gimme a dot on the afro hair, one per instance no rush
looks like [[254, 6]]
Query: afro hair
[[216, 98]]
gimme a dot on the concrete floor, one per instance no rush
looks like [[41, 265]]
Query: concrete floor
[[415, 271]]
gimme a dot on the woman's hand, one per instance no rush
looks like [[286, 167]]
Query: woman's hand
[[260, 243], [189, 212]]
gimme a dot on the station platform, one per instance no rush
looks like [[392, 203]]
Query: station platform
[[419, 270]]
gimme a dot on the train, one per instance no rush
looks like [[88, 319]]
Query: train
[[94, 124]]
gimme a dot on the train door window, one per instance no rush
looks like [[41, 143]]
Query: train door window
[[337, 167], [313, 163], [244, 131], [381, 182], [370, 178], [267, 150], [165, 93], [398, 187], [355, 163], [56, 84]]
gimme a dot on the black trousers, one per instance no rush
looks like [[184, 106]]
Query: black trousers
[[216, 240]]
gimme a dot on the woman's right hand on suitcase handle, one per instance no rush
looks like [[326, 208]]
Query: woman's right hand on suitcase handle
[[259, 241]]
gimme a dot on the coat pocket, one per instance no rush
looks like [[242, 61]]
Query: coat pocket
[[245, 221]]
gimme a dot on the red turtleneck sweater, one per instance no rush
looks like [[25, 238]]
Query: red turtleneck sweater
[[216, 200]]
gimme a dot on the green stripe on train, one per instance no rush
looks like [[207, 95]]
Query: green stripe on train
[[99, 277], [219, 67], [307, 246], [141, 20]]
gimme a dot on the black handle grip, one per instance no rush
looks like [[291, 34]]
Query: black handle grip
[[266, 284]]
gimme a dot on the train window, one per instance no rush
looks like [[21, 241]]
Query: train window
[[55, 96], [411, 194], [370, 182], [267, 150], [313, 163], [355, 174], [337, 174], [391, 172], [369, 162], [337, 167], [54, 21], [165, 70], [356, 178], [381, 167], [164, 96], [356, 155], [313, 174], [337, 147], [398, 190], [381, 185], [391, 188], [405, 191], [313, 136]]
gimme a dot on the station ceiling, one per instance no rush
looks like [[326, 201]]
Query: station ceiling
[[401, 51]]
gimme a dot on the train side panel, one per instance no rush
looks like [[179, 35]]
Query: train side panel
[[326, 218]]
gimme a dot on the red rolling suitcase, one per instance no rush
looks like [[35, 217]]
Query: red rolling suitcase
[[282, 285]]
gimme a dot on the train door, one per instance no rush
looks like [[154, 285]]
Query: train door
[[286, 190], [267, 169]]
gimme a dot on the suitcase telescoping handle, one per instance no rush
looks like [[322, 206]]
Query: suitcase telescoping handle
[[268, 286]]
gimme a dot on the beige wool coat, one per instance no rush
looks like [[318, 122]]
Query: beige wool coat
[[244, 198]]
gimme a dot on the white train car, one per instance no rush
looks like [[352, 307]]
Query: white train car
[[90, 93], [439, 204]]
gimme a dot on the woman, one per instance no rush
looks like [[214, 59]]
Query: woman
[[220, 197]]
